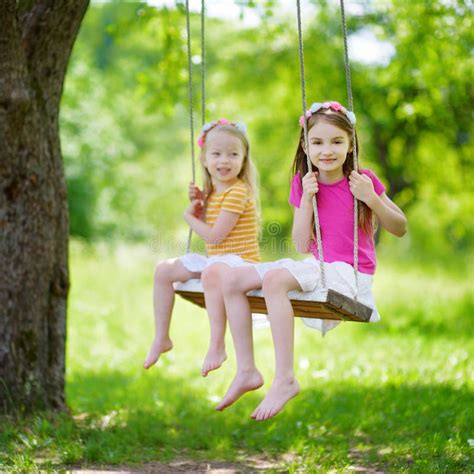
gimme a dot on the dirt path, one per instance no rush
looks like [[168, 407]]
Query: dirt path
[[188, 466]]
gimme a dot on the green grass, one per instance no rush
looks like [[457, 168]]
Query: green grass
[[397, 395]]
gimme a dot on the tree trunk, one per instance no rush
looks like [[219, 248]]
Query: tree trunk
[[36, 38]]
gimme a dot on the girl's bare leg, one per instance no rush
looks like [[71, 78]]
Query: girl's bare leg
[[211, 280], [166, 274], [276, 285], [235, 286]]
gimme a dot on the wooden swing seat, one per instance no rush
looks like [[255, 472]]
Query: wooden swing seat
[[320, 304]]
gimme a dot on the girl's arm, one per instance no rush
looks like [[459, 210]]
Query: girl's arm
[[302, 226], [302, 232], [225, 222], [390, 216]]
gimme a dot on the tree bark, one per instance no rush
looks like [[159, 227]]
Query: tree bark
[[36, 39]]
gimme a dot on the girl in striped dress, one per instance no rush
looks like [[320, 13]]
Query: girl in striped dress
[[225, 215]]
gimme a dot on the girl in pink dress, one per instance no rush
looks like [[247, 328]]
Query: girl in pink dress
[[333, 178]]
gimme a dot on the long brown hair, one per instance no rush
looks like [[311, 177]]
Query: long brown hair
[[300, 165]]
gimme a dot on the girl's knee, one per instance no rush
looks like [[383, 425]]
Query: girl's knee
[[231, 281], [274, 282], [211, 277], [164, 271]]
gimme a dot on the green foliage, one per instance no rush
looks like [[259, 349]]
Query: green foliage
[[394, 396], [124, 116], [118, 149], [418, 113]]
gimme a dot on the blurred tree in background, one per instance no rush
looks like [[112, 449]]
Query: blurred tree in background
[[125, 134]]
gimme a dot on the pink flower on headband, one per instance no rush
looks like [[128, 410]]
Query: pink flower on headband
[[333, 105], [222, 121], [200, 141], [308, 115], [336, 106]]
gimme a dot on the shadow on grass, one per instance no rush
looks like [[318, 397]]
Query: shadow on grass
[[120, 419]]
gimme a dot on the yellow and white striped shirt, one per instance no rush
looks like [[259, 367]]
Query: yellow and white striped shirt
[[243, 238]]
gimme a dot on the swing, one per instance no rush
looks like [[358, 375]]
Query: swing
[[323, 303]]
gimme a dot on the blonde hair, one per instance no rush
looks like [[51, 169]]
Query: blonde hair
[[300, 165], [248, 173]]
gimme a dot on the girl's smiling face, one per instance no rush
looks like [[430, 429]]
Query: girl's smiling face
[[224, 157], [328, 148]]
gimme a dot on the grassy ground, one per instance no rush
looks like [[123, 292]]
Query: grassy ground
[[396, 396]]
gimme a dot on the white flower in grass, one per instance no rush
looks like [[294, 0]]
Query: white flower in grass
[[320, 374], [303, 363], [356, 371]]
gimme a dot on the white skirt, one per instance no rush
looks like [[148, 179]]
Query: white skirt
[[195, 262], [339, 277]]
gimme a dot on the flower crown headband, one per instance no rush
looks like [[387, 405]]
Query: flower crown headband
[[333, 105], [207, 127]]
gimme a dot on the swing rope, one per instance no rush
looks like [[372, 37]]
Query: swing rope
[[190, 91], [306, 143], [347, 68], [203, 63]]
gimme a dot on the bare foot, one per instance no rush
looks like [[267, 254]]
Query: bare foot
[[280, 393], [243, 382], [157, 348], [214, 359]]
